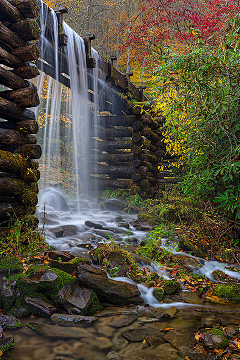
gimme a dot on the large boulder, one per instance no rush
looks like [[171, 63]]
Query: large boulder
[[113, 204], [111, 291]]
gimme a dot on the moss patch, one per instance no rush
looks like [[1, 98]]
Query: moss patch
[[225, 341], [158, 294], [12, 263], [171, 287], [228, 291]]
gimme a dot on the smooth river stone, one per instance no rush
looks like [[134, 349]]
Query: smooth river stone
[[66, 319], [139, 334], [55, 331], [124, 321]]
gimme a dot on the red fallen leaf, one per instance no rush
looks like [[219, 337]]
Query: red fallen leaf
[[174, 273], [200, 336]]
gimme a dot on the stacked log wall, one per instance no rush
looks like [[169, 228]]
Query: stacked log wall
[[19, 150]]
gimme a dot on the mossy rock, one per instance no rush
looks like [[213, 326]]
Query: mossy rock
[[186, 245], [158, 294], [225, 341], [6, 344], [69, 266], [171, 287], [12, 263], [228, 291]]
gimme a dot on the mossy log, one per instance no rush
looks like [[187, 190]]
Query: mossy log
[[11, 138], [136, 150], [159, 154], [153, 159], [31, 151], [111, 146], [114, 172], [28, 8], [112, 133], [13, 112], [137, 125], [8, 211], [136, 163], [103, 184], [11, 80], [31, 139], [13, 164], [26, 72], [136, 177], [24, 127], [10, 60], [113, 159], [26, 29], [149, 134], [137, 139], [24, 97], [9, 39], [27, 52], [9, 186], [153, 169], [112, 120], [9, 12], [146, 119], [159, 144]]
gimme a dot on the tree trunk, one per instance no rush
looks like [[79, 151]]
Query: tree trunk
[[28, 8], [13, 112], [10, 60], [11, 80], [11, 138], [27, 53], [9, 12], [26, 97], [27, 72], [26, 29], [24, 127]]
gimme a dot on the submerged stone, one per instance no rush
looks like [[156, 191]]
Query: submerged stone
[[55, 331], [139, 334], [10, 322], [6, 344], [66, 319], [39, 306], [127, 320]]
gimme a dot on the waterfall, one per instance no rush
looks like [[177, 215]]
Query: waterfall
[[67, 117]]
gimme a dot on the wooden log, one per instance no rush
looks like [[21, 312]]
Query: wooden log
[[112, 133], [137, 125], [24, 127], [26, 29], [136, 163], [30, 175], [136, 150], [153, 159], [31, 139], [113, 159], [153, 169], [13, 112], [149, 134], [28, 8], [136, 177], [24, 97], [9, 186], [27, 52], [146, 119], [111, 120], [26, 72], [111, 145], [11, 80], [31, 151], [23, 168], [160, 144], [10, 211], [8, 59], [8, 12], [137, 139], [114, 172], [103, 184], [9, 38], [11, 138]]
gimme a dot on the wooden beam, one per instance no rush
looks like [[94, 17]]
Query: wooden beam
[[28, 8], [25, 97], [13, 112], [26, 29], [9, 12], [9, 59]]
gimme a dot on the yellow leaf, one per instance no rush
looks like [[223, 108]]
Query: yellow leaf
[[1, 352], [144, 341]]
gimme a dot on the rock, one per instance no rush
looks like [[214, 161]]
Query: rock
[[228, 330], [101, 342], [147, 320], [10, 322], [62, 349], [139, 334], [190, 263], [94, 225], [171, 287], [66, 319], [112, 291], [83, 351], [191, 298], [215, 339], [113, 204], [118, 219], [57, 231], [6, 294], [55, 331], [186, 352], [56, 255], [179, 337], [123, 224], [107, 234], [113, 356], [69, 266], [77, 299], [162, 352], [158, 293], [6, 344], [86, 236], [124, 321], [53, 198], [39, 306], [119, 342], [69, 230]]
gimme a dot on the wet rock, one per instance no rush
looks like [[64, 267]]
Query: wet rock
[[191, 298], [39, 306], [6, 294], [79, 300], [10, 322], [92, 224], [162, 352], [55, 331], [113, 356], [147, 320], [86, 236], [56, 255], [188, 262], [6, 344], [63, 349], [118, 218], [158, 293], [57, 231], [119, 342], [107, 234], [186, 352], [123, 224], [101, 342], [124, 321], [69, 266], [139, 334], [213, 341], [112, 291], [171, 287], [69, 230], [113, 204], [83, 351], [179, 337], [66, 319]]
